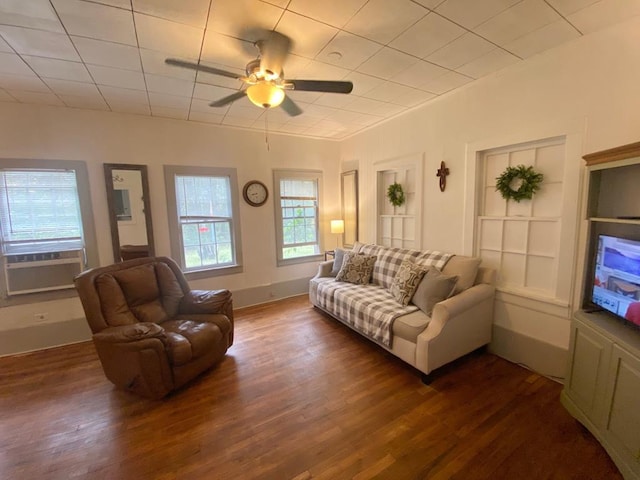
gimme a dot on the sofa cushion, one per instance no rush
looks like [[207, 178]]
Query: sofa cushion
[[434, 287], [356, 268], [338, 258], [188, 340], [411, 325], [406, 281], [387, 265], [114, 305], [466, 268]]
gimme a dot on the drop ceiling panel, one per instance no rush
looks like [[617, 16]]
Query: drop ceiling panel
[[38, 42], [188, 12], [71, 88], [244, 19], [309, 36], [428, 35], [116, 77], [495, 60], [108, 54], [38, 14], [542, 39], [13, 64], [387, 63], [60, 69], [86, 102], [462, 50], [383, 20], [348, 51], [29, 83], [333, 12], [170, 37], [471, 13]]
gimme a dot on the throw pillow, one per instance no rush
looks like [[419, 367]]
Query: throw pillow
[[338, 257], [406, 281], [356, 268], [433, 288]]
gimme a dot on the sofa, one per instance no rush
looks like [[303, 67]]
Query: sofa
[[444, 312], [152, 333]]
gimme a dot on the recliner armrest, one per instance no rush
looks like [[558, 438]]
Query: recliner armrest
[[207, 301], [130, 333]]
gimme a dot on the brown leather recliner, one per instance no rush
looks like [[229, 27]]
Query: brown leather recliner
[[152, 333]]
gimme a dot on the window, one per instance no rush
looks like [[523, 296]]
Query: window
[[297, 214], [46, 225], [203, 218]]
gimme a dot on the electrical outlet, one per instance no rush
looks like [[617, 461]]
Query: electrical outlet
[[41, 317]]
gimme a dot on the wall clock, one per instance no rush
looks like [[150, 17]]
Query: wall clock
[[255, 193]]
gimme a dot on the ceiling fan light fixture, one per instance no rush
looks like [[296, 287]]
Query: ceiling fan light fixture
[[265, 95]]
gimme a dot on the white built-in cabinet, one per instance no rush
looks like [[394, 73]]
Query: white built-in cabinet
[[602, 386]]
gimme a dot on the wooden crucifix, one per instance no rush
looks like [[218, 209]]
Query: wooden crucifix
[[442, 173]]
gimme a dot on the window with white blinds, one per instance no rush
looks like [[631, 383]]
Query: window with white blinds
[[39, 211]]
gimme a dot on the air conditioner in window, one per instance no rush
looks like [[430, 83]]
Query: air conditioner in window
[[41, 272]]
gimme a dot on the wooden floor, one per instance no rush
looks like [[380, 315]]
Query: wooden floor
[[299, 396]]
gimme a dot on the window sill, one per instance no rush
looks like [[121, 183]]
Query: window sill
[[212, 272], [319, 257]]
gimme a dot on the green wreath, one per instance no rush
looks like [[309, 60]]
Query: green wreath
[[395, 194], [530, 183]]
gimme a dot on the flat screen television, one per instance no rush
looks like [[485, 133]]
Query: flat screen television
[[616, 283]]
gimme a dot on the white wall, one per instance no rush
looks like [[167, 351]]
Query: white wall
[[100, 137], [586, 90]]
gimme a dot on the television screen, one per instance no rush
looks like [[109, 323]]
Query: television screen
[[616, 286]]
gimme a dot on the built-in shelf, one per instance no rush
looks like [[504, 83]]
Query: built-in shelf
[[615, 220]]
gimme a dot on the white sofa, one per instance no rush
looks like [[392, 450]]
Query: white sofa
[[457, 325]]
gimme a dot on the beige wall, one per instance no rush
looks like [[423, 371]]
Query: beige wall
[[97, 138]]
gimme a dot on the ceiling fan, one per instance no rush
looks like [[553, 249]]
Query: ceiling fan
[[264, 77]]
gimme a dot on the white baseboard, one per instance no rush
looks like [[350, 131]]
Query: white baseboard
[[541, 357], [270, 293]]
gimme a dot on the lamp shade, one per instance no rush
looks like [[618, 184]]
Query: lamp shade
[[265, 95], [337, 226]]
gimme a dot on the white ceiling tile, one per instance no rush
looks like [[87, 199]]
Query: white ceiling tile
[[389, 91], [36, 97], [115, 77], [81, 101], [38, 42], [363, 83], [30, 83], [413, 98], [348, 51], [166, 36], [169, 101], [335, 101], [237, 121], [126, 4], [462, 50], [38, 14], [4, 46], [245, 19], [604, 13], [374, 107], [5, 97], [206, 117], [308, 36], [226, 51], [384, 20], [13, 64], [200, 105], [567, 7], [211, 93], [168, 112], [387, 63], [220, 81], [71, 88], [321, 71], [540, 40], [168, 85], [494, 60], [524, 17], [97, 21], [135, 108], [244, 110], [307, 97], [333, 12], [123, 95], [109, 54], [471, 13], [318, 111], [430, 3], [427, 36], [446, 82], [419, 73], [189, 12], [61, 69], [153, 62], [294, 66]]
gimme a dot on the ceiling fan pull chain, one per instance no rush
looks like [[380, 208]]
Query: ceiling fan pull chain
[[266, 129]]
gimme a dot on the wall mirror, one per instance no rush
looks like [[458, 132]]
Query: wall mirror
[[349, 195], [129, 211]]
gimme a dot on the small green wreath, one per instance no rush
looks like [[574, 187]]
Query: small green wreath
[[529, 183], [395, 194]]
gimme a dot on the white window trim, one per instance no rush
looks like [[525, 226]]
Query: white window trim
[[315, 175], [88, 226], [170, 172]]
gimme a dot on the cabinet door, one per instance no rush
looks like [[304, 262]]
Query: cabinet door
[[623, 406], [590, 354]]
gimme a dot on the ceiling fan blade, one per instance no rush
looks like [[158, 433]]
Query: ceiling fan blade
[[228, 99], [290, 107], [321, 86], [200, 68]]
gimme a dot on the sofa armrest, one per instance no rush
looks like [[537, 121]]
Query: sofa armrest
[[458, 325], [208, 301], [130, 333], [324, 269]]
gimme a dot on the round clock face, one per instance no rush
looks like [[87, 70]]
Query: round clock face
[[255, 193]]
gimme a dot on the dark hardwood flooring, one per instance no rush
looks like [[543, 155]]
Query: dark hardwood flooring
[[299, 396]]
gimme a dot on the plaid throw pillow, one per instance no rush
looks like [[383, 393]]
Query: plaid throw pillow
[[356, 268], [406, 281]]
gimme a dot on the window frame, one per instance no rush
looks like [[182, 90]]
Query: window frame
[[175, 237], [91, 257], [286, 174]]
